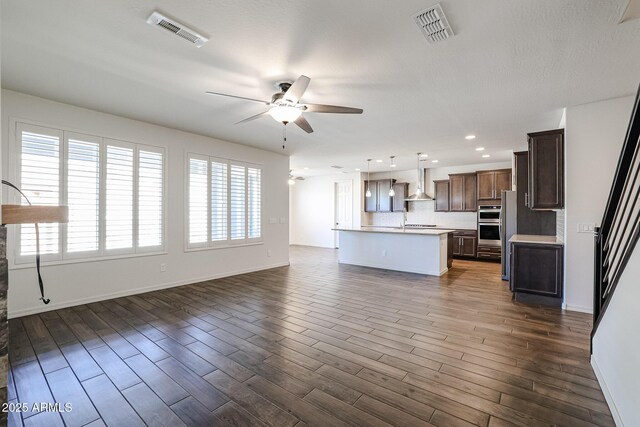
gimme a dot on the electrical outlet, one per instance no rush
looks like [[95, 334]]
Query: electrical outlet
[[384, 252], [163, 267], [269, 253]]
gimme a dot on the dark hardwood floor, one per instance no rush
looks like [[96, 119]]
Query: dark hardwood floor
[[316, 344]]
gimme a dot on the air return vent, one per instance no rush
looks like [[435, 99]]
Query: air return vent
[[434, 24], [177, 28]]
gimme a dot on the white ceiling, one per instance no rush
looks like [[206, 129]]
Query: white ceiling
[[510, 68]]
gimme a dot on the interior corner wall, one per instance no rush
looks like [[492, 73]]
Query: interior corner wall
[[616, 347], [313, 208], [76, 283], [594, 135]]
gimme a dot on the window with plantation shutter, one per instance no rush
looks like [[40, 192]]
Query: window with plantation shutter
[[150, 198], [198, 201], [119, 198], [254, 202], [219, 204], [83, 193], [114, 191], [233, 209], [40, 178], [237, 190]]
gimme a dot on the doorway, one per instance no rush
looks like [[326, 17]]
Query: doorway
[[343, 208]]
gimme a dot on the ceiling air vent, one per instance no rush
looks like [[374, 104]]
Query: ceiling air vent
[[434, 24], [177, 28], [336, 167]]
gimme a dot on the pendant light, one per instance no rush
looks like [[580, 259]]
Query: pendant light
[[368, 193], [392, 192]]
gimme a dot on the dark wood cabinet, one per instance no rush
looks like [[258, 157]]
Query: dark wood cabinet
[[371, 203], [537, 269], [493, 253], [492, 183], [384, 199], [465, 243], [441, 195], [380, 200], [529, 221], [462, 193], [546, 170], [401, 190]]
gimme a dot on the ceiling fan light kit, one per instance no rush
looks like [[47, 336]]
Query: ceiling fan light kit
[[285, 114]]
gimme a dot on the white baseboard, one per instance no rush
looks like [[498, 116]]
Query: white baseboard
[[577, 308], [103, 297], [607, 394]]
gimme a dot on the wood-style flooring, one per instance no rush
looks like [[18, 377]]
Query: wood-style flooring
[[316, 343]]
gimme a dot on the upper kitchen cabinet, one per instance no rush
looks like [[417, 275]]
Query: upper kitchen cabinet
[[371, 203], [401, 190], [441, 196], [380, 200], [462, 192], [492, 183], [546, 170]]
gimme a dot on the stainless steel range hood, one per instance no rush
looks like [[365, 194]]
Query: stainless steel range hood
[[420, 196]]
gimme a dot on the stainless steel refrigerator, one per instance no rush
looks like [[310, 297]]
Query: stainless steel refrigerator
[[508, 226]]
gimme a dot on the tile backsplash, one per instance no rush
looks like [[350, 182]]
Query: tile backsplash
[[423, 213]]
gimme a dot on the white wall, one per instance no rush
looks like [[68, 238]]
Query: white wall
[[616, 346], [594, 135], [313, 209], [72, 284], [423, 212]]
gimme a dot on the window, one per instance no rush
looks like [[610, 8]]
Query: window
[[114, 191], [224, 202]]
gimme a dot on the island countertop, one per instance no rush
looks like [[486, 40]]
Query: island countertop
[[389, 230]]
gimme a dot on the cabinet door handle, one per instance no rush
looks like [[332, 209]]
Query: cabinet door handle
[[526, 199]]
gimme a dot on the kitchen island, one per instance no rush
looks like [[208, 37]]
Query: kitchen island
[[423, 251]]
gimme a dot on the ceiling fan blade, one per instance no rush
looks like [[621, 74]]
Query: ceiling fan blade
[[321, 108], [239, 97], [297, 89], [257, 116], [303, 124]]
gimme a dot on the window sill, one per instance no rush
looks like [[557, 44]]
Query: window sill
[[21, 266], [237, 245]]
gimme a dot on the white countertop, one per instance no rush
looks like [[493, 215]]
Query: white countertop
[[422, 231], [540, 240]]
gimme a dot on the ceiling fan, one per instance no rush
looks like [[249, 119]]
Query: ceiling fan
[[286, 106], [292, 179]]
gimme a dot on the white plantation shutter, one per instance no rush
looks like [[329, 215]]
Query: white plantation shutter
[[119, 197], [40, 181], [198, 201], [83, 193], [254, 204], [237, 188], [150, 198], [219, 175]]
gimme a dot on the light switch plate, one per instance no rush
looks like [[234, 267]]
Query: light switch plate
[[586, 227], [273, 220], [283, 220]]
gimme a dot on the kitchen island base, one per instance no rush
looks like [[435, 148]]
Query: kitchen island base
[[419, 251]]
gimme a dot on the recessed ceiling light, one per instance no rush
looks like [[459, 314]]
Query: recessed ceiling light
[[470, 137], [434, 161], [486, 155], [306, 168], [424, 155], [357, 169], [379, 161], [480, 149]]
